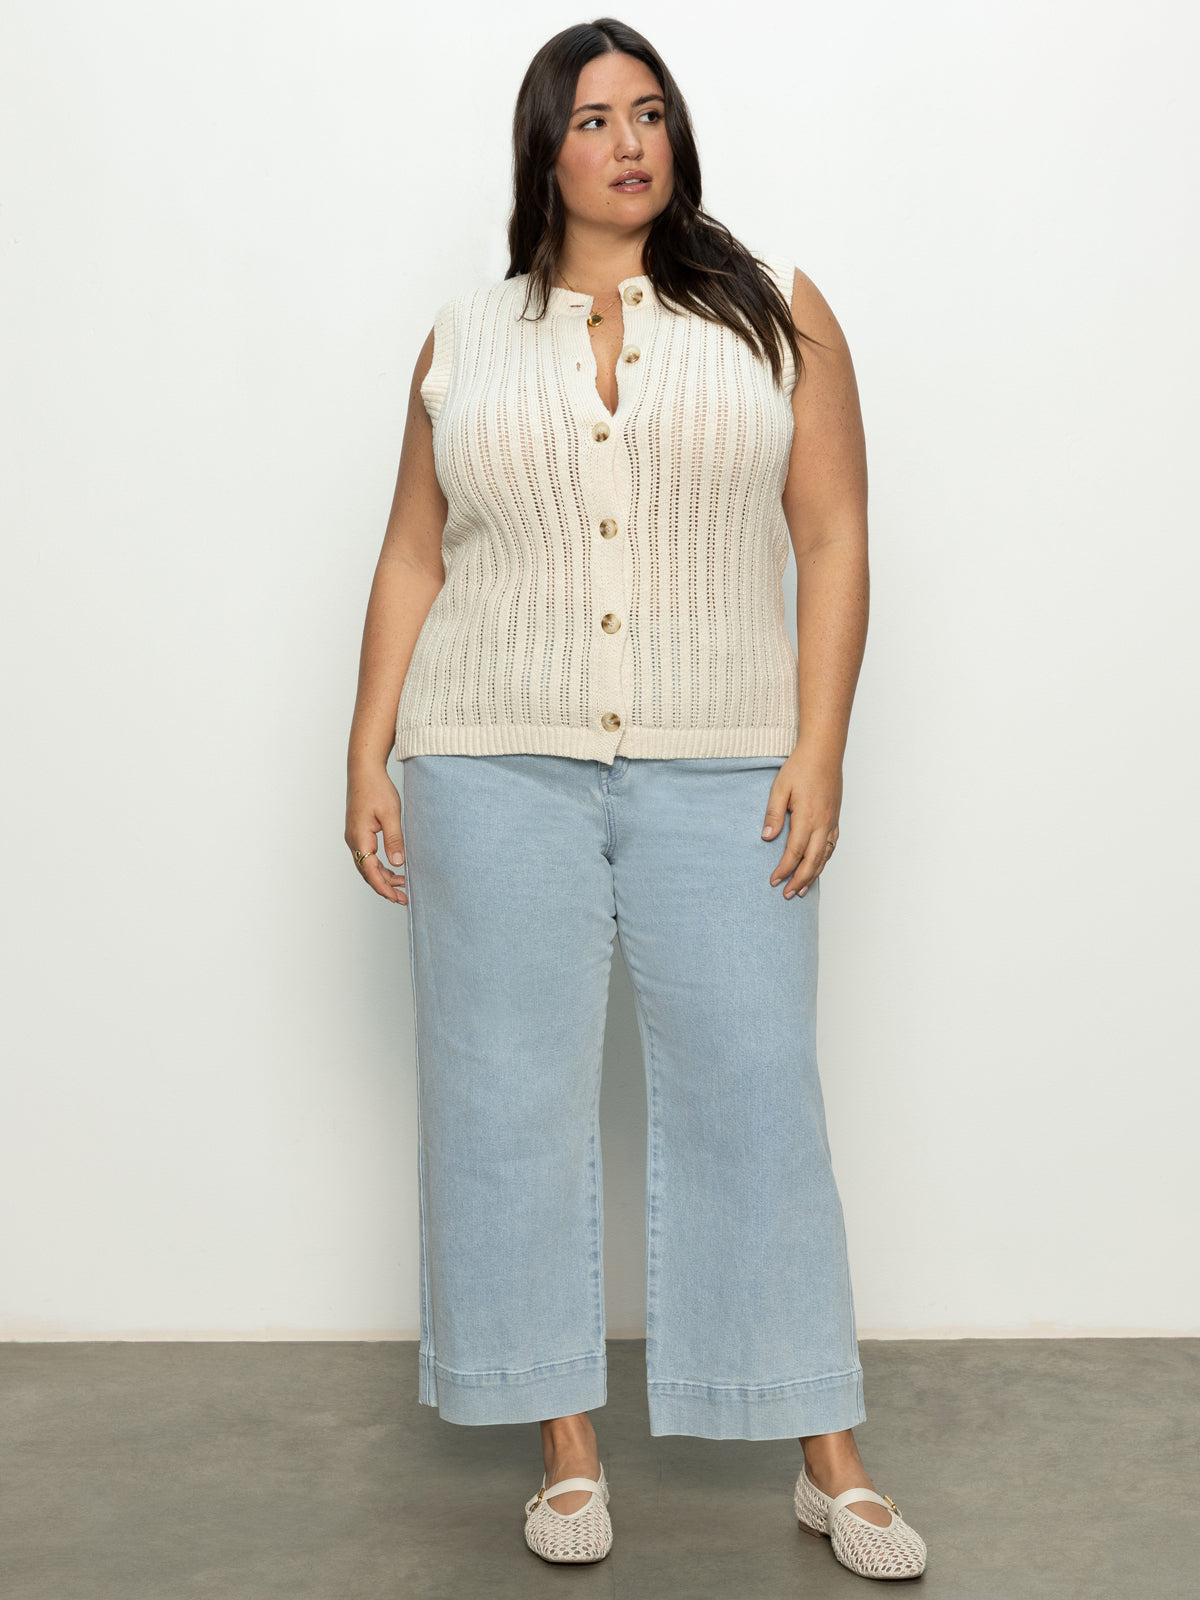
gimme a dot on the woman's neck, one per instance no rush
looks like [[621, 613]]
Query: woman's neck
[[595, 262]]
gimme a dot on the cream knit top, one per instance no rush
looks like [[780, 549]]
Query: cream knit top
[[613, 581]]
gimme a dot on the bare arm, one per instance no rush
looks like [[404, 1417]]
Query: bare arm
[[825, 504], [408, 577]]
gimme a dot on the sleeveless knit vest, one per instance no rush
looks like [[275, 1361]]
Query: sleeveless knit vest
[[613, 581]]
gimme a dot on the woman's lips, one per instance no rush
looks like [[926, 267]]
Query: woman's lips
[[632, 185]]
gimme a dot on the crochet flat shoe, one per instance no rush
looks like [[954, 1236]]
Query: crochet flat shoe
[[896, 1551], [583, 1535]]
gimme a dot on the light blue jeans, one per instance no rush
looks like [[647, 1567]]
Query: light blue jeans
[[520, 871]]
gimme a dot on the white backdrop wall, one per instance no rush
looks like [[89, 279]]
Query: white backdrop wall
[[225, 231]]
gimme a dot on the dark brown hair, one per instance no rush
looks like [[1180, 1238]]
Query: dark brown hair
[[689, 257]]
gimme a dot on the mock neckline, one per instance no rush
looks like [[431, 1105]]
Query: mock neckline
[[569, 302]]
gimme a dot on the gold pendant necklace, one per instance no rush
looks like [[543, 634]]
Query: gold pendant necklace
[[596, 318]]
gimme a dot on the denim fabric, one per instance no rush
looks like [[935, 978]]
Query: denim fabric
[[521, 870]]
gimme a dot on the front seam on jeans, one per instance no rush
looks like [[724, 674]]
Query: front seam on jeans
[[652, 1181], [596, 1265]]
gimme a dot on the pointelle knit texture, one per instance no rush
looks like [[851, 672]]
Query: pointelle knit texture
[[613, 581]]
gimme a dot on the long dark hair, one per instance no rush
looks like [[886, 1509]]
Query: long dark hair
[[689, 257]]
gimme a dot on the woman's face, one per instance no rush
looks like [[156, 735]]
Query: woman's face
[[617, 126]]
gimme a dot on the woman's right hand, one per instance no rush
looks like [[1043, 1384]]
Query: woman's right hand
[[372, 808]]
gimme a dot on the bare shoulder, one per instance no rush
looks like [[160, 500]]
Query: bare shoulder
[[424, 362], [813, 315], [419, 509], [824, 496]]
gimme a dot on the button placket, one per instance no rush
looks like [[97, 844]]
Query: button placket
[[611, 569], [610, 598]]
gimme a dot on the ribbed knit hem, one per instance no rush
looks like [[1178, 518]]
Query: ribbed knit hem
[[557, 1389], [593, 744], [779, 1411]]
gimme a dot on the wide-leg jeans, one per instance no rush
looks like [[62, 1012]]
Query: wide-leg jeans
[[521, 870]]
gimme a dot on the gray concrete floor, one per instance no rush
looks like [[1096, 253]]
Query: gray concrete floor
[[1032, 1468]]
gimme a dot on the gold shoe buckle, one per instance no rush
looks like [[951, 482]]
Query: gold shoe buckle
[[892, 1503]]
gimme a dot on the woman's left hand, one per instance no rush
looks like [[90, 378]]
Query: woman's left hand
[[809, 785]]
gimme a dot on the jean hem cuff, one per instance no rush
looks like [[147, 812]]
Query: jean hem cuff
[[774, 1411], [533, 1394]]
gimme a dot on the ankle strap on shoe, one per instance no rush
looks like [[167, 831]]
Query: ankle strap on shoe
[[565, 1484], [848, 1496]]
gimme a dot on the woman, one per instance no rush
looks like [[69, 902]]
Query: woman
[[576, 645]]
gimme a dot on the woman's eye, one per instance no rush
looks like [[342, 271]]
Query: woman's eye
[[657, 115]]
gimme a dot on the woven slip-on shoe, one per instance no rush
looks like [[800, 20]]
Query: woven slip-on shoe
[[896, 1551], [583, 1535]]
